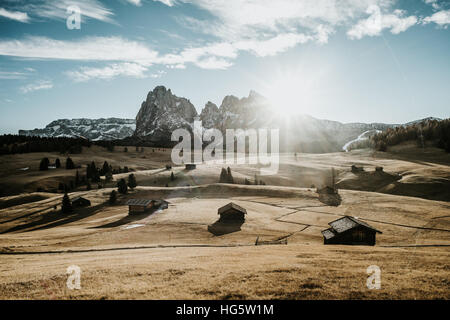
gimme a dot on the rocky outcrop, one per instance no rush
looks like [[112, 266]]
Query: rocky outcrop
[[211, 116], [161, 114]]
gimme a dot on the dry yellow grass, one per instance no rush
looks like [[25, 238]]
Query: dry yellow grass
[[171, 254]]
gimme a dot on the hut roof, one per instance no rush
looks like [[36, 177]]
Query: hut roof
[[346, 223], [229, 206], [138, 202], [328, 233]]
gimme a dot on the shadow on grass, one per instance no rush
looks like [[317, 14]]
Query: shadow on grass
[[55, 219], [219, 228], [128, 219]]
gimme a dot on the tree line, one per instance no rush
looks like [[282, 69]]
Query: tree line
[[13, 144], [437, 132]]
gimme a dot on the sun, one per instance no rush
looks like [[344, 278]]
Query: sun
[[287, 96], [293, 91]]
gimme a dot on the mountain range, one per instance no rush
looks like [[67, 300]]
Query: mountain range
[[162, 112]]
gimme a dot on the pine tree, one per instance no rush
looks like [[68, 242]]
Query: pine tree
[[57, 163], [77, 179], [88, 171], [172, 177], [108, 176], [132, 181], [223, 176], [113, 197], [122, 186], [88, 185], [44, 164], [125, 149], [66, 206], [69, 164], [95, 175], [105, 168], [229, 176]]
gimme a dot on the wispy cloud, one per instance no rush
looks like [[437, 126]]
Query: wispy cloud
[[169, 3], [39, 85], [89, 48], [259, 20], [137, 3], [434, 3], [262, 28], [441, 18], [215, 55], [57, 9], [109, 72], [14, 15], [374, 25], [12, 75]]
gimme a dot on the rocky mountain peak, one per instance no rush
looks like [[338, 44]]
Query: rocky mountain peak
[[162, 113], [92, 129], [210, 115], [229, 103]]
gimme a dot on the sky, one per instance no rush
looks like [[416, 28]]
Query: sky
[[344, 60]]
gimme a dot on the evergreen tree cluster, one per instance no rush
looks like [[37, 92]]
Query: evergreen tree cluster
[[45, 163], [12, 144], [226, 176], [437, 132]]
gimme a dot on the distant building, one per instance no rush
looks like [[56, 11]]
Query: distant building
[[80, 202], [190, 166], [232, 213], [138, 206], [351, 231]]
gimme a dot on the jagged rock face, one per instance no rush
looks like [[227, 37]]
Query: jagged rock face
[[210, 116], [235, 113], [92, 129], [162, 113]]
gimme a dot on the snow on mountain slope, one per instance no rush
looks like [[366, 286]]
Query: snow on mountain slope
[[92, 129]]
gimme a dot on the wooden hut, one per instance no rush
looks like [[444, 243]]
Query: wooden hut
[[351, 231], [138, 206], [232, 213], [80, 202]]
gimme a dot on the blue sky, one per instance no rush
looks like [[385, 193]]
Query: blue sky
[[345, 60]]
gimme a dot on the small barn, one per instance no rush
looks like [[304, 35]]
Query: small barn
[[80, 202], [351, 231], [137, 206], [232, 213], [190, 166]]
